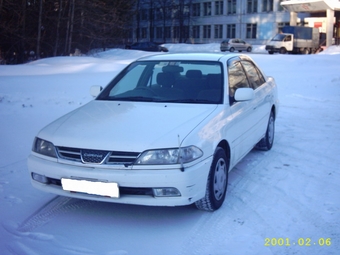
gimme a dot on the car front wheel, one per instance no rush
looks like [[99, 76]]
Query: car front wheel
[[283, 50], [232, 49], [217, 183], [266, 143]]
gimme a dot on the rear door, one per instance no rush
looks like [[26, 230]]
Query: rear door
[[236, 44], [242, 45], [262, 100], [242, 118]]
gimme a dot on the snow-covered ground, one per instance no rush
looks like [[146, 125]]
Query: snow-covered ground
[[291, 192]]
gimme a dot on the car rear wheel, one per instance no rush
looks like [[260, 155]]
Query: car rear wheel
[[249, 49], [266, 143], [217, 183], [305, 51]]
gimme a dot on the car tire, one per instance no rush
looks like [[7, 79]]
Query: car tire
[[283, 50], [266, 143], [271, 52], [305, 51], [232, 49], [217, 183], [249, 49]]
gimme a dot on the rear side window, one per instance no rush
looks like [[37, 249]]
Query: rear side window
[[254, 75]]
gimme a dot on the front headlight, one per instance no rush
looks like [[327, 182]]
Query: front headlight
[[169, 156], [44, 147]]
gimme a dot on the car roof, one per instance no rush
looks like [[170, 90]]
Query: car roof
[[190, 56]]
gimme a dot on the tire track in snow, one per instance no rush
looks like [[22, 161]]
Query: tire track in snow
[[47, 212], [216, 231], [261, 204]]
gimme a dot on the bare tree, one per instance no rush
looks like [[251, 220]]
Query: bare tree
[[164, 11], [56, 27], [39, 28]]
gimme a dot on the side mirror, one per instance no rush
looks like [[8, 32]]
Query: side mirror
[[95, 90], [244, 94]]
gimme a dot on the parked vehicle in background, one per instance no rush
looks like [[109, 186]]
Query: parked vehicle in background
[[146, 46], [235, 44], [164, 132], [295, 39]]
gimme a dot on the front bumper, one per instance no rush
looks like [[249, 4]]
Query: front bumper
[[135, 185]]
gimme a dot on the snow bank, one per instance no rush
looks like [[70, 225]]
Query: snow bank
[[291, 192]]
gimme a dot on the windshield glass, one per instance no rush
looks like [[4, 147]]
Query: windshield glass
[[168, 81], [279, 37]]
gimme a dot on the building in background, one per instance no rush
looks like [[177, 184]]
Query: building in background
[[202, 21]]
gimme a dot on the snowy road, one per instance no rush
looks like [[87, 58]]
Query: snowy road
[[288, 196]]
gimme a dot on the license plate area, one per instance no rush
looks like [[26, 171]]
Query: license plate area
[[107, 189]]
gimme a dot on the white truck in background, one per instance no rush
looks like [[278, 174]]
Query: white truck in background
[[295, 39]]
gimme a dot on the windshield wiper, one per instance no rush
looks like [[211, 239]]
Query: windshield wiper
[[134, 98], [194, 101]]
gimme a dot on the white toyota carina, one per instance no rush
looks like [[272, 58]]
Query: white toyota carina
[[165, 131]]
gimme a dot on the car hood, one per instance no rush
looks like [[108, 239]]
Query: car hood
[[126, 126]]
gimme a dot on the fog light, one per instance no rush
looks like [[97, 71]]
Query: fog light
[[166, 192], [40, 178]]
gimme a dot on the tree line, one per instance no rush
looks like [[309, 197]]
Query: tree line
[[32, 29]]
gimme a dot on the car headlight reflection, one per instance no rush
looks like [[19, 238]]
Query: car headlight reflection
[[169, 156], [44, 147]]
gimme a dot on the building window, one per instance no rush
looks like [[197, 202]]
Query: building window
[[267, 5], [159, 14], [144, 32], [144, 14], [219, 8], [167, 32], [206, 31], [186, 11], [159, 32], [196, 31], [218, 31], [251, 31], [231, 7], [231, 31], [251, 6], [176, 32], [207, 9], [185, 32], [281, 25], [196, 10]]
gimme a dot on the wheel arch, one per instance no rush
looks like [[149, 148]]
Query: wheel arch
[[225, 146], [274, 110]]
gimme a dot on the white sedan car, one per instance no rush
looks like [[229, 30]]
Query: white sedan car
[[165, 132]]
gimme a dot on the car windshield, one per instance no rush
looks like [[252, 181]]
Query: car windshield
[[279, 37], [168, 81]]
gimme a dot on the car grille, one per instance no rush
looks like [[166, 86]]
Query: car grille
[[97, 156]]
